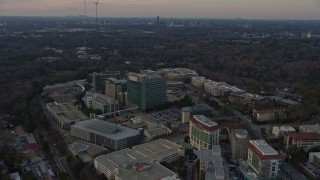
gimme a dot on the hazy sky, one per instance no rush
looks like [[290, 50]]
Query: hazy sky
[[265, 9]]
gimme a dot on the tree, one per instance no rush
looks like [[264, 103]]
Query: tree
[[28, 124], [186, 139], [4, 176], [63, 176], [28, 176], [98, 111]]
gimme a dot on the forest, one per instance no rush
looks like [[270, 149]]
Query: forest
[[253, 55]]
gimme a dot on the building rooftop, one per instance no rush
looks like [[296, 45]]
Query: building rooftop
[[100, 98], [270, 110], [158, 130], [145, 170], [232, 126], [304, 135], [139, 77], [92, 149], [199, 107], [117, 81], [285, 128], [248, 95], [28, 146], [181, 71], [312, 128], [263, 150], [222, 85], [241, 133], [105, 129], [65, 86], [264, 147], [204, 122], [66, 112], [141, 162]]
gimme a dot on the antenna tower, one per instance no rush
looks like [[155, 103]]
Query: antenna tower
[[96, 3], [85, 24]]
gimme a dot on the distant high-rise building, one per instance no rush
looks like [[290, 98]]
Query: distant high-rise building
[[146, 91], [263, 161], [158, 20], [116, 89], [238, 138], [99, 80], [203, 132]]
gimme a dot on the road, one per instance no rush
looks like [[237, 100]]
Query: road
[[189, 171], [253, 129], [59, 159], [291, 172]]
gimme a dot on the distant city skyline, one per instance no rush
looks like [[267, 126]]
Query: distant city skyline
[[252, 9]]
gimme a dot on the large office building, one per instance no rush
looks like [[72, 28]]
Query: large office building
[[140, 162], [305, 140], [263, 161], [105, 103], [211, 164], [146, 91], [116, 89], [239, 138], [65, 114], [203, 132], [99, 80], [106, 134]]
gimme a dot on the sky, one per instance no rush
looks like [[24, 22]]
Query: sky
[[253, 9]]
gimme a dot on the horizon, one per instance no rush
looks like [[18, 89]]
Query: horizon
[[166, 17], [205, 9]]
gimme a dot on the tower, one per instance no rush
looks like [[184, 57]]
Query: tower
[[96, 3]]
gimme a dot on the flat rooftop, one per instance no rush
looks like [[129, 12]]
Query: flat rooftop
[[263, 150], [204, 120], [304, 135], [285, 128], [89, 147], [149, 154], [139, 77], [264, 147], [105, 129], [117, 81], [66, 112], [157, 130], [66, 84], [152, 171], [313, 128], [248, 95]]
